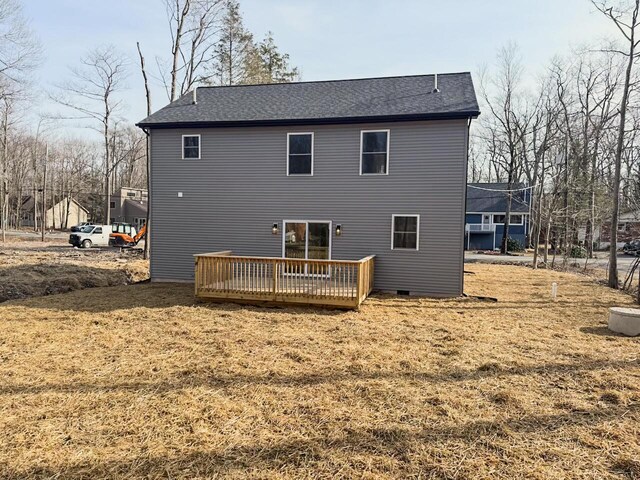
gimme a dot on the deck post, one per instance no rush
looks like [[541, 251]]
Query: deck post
[[275, 278], [359, 282]]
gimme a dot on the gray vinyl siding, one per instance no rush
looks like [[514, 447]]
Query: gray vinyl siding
[[239, 188]]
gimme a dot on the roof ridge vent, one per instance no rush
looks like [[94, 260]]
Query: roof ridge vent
[[435, 84]]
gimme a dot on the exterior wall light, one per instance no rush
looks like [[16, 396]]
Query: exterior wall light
[[338, 230], [274, 229]]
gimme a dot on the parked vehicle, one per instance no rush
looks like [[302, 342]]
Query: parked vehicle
[[124, 228], [91, 236], [76, 228], [124, 240], [632, 247]]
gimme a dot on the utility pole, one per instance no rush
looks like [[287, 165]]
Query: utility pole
[[43, 220]]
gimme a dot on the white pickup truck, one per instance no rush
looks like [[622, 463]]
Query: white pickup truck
[[91, 236]]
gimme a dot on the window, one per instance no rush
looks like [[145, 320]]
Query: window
[[98, 230], [300, 154], [191, 146], [374, 152], [404, 232], [516, 219], [112, 204]]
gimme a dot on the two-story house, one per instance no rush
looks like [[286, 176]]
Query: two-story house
[[130, 205], [486, 211], [317, 170]]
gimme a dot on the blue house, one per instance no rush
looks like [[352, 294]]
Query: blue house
[[485, 215]]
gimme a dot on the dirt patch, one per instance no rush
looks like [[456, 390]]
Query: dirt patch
[[142, 381], [29, 269]]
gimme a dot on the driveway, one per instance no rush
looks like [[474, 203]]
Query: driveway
[[601, 260]]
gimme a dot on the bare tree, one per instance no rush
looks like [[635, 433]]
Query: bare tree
[[92, 93], [194, 28], [625, 18], [20, 51], [19, 55], [508, 122], [147, 151]]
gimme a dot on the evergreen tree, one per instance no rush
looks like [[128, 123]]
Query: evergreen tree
[[265, 64], [233, 49]]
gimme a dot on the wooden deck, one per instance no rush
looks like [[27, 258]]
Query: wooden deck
[[333, 283]]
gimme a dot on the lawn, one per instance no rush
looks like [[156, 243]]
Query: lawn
[[140, 381]]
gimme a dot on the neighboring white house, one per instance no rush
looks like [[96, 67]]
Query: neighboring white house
[[56, 215]]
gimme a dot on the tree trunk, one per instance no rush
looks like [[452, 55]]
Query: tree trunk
[[148, 151], [613, 249], [107, 174], [43, 220]]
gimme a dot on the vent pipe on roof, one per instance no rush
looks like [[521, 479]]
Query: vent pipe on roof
[[195, 95], [435, 84]]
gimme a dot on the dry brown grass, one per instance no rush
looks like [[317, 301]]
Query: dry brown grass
[[143, 382], [29, 269]]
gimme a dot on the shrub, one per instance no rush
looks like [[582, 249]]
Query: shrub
[[514, 245], [578, 252]]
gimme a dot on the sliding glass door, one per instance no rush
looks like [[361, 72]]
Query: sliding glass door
[[307, 240]]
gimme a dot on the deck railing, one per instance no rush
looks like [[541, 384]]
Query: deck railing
[[336, 283], [480, 227]]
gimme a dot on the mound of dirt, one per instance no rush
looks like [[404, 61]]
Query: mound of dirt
[[28, 272]]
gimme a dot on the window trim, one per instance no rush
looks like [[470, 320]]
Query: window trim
[[393, 226], [199, 145], [493, 222], [362, 132], [312, 154]]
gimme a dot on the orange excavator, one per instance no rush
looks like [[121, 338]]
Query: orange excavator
[[123, 239]]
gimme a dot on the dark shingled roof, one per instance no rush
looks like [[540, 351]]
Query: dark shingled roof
[[333, 101], [482, 197]]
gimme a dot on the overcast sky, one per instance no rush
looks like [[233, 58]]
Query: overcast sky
[[327, 39]]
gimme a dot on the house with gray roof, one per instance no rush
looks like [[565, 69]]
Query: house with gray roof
[[336, 170], [486, 211], [129, 205]]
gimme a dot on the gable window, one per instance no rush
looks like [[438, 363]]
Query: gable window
[[404, 232], [191, 147], [300, 154], [374, 152]]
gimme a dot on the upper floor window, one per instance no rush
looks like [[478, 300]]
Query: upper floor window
[[374, 152], [514, 219], [404, 232], [300, 154], [191, 146]]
